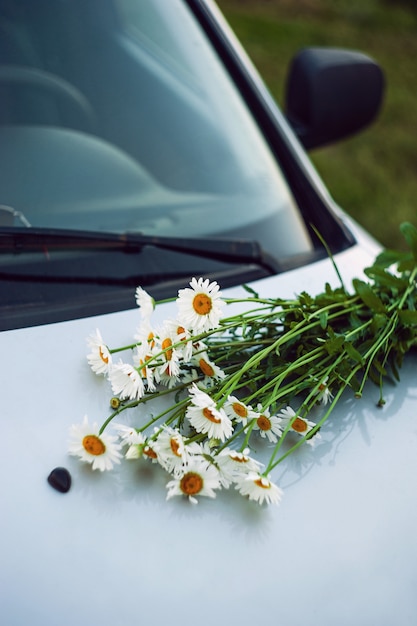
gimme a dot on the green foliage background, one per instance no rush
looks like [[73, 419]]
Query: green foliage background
[[372, 175]]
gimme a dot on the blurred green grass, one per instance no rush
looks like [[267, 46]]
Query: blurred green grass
[[372, 175]]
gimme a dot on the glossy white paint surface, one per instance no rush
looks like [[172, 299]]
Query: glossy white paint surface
[[341, 549]]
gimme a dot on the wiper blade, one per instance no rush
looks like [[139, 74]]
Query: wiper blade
[[17, 240]]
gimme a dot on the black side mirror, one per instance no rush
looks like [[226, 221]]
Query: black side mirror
[[332, 93]]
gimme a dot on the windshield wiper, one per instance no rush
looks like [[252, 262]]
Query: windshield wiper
[[17, 240]]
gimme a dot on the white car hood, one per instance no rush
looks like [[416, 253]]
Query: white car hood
[[340, 549]]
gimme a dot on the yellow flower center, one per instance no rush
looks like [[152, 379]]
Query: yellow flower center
[[175, 446], [202, 304], [94, 445], [166, 345], [105, 359], [210, 416], [206, 368], [263, 422], [191, 484], [299, 425], [142, 366], [151, 338], [238, 458], [149, 452], [263, 483], [240, 409]]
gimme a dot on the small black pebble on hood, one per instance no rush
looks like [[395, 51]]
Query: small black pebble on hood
[[60, 479]]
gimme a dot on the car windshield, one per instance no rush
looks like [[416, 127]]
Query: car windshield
[[119, 116]]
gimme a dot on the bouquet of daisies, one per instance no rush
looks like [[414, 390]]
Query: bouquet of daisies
[[223, 384]]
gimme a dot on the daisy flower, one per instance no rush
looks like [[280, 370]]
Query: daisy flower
[[99, 358], [197, 479], [200, 306], [142, 359], [204, 416], [234, 465], [238, 411], [169, 374], [323, 392], [101, 451], [299, 425], [209, 369], [130, 436], [146, 336], [171, 450], [199, 397], [143, 449], [210, 421], [135, 450], [169, 371], [145, 302], [269, 426], [178, 333], [126, 381], [259, 488]]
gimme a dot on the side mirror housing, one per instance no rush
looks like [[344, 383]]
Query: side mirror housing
[[332, 93]]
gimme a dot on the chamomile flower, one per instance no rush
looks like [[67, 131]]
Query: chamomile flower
[[145, 302], [99, 358], [199, 397], [101, 450], [182, 336], [238, 411], [146, 336], [169, 370], [128, 435], [259, 488], [126, 381], [143, 362], [208, 369], [200, 306], [197, 479], [299, 425], [131, 437], [205, 418], [210, 421], [149, 451], [323, 392], [171, 450], [269, 426], [235, 465]]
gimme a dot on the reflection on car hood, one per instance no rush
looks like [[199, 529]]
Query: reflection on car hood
[[340, 548]]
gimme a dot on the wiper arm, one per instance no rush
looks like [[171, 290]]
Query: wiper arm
[[17, 239]]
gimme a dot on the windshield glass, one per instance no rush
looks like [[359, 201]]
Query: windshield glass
[[118, 116]]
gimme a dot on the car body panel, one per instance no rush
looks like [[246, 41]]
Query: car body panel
[[339, 549]]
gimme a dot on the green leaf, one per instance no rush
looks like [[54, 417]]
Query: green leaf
[[323, 317], [379, 367], [379, 320], [390, 257], [352, 352], [368, 295], [385, 278], [250, 290], [334, 345], [410, 235], [407, 265], [305, 299], [408, 318]]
